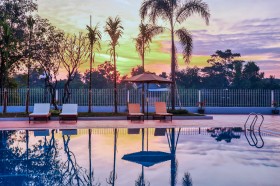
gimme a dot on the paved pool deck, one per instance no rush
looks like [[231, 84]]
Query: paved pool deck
[[271, 123]]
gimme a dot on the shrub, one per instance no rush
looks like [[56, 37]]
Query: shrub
[[178, 111]]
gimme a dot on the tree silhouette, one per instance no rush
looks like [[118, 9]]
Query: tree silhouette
[[144, 38], [14, 36], [94, 37], [30, 24], [46, 48], [187, 180], [72, 54], [175, 12], [115, 30]]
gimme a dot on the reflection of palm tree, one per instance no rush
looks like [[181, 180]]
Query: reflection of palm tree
[[187, 180], [115, 31], [90, 177], [175, 12], [94, 37], [113, 175], [141, 179], [174, 165]]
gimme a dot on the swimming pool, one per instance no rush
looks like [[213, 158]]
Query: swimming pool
[[201, 156]]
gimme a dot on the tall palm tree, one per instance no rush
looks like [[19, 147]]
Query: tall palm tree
[[94, 37], [142, 44], [144, 38], [175, 12], [30, 24], [115, 30]]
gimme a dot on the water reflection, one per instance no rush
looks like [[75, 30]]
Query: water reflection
[[225, 133], [53, 157], [113, 176]]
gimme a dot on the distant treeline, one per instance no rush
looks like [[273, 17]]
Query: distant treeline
[[224, 71]]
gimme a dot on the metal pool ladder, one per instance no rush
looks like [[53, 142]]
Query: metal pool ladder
[[254, 141]]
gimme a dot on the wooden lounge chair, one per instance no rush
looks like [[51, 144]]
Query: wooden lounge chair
[[69, 112], [161, 111], [41, 110], [134, 111]]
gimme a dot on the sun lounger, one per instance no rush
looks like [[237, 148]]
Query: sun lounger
[[134, 111], [41, 110], [69, 112], [161, 111]]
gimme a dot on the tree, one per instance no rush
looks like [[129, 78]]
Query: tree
[[215, 76], [115, 30], [94, 37], [252, 75], [175, 12], [223, 57], [13, 35], [144, 38], [30, 24], [103, 76], [187, 179], [146, 33], [45, 46], [164, 75], [137, 70], [72, 55], [189, 78]]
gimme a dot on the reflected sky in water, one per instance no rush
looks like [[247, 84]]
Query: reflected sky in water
[[198, 158]]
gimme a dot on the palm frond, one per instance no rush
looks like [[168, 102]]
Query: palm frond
[[185, 38], [192, 7], [146, 33], [114, 29], [94, 36], [154, 9]]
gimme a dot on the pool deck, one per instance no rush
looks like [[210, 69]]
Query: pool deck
[[271, 123]]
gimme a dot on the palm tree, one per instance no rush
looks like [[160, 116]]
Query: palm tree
[[115, 30], [175, 12], [30, 24], [142, 44], [146, 33], [94, 37]]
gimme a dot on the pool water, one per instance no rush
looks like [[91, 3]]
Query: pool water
[[187, 156]]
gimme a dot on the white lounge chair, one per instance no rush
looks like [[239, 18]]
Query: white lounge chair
[[161, 111], [134, 111], [41, 110], [69, 112]]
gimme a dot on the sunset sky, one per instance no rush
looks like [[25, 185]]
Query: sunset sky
[[248, 27]]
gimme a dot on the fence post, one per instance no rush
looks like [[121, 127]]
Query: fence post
[[127, 96], [5, 101], [56, 96], [272, 98], [199, 96]]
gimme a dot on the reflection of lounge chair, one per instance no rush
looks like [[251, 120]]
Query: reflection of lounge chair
[[160, 132], [134, 111], [41, 132], [133, 131], [161, 111], [69, 112], [69, 131], [41, 110]]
